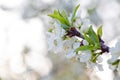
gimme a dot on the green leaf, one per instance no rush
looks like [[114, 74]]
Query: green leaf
[[65, 38], [93, 36], [64, 26], [99, 31], [88, 39], [61, 17], [64, 15], [55, 12], [74, 13], [50, 30], [116, 62], [58, 17], [94, 57], [84, 48]]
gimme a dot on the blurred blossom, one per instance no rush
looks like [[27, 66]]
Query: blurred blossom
[[12, 4], [23, 46], [76, 45], [115, 55], [84, 56], [114, 59], [71, 54]]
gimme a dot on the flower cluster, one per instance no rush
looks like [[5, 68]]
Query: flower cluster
[[114, 61], [72, 36]]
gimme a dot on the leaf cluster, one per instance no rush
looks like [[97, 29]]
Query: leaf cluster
[[93, 42], [62, 17]]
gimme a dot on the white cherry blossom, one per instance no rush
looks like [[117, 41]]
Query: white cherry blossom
[[84, 56]]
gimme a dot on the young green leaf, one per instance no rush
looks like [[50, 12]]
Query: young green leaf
[[64, 15], [94, 57], [50, 30], [88, 39], [84, 48], [93, 36], [116, 62], [61, 17], [58, 17], [65, 27], [74, 13], [55, 12], [99, 31]]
